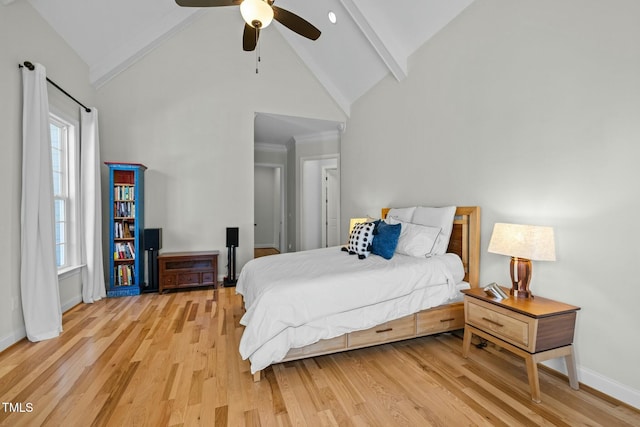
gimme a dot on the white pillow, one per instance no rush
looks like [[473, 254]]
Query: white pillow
[[401, 214], [416, 240], [437, 217]]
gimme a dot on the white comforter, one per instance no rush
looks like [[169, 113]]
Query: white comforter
[[296, 299]]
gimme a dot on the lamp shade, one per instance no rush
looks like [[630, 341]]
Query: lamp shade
[[532, 242], [354, 221], [257, 13]]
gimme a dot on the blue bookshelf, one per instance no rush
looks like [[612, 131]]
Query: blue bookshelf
[[126, 229]]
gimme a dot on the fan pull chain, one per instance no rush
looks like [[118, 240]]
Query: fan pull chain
[[257, 50]]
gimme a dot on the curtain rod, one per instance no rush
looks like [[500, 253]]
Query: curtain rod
[[32, 67]]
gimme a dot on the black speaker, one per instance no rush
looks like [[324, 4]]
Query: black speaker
[[232, 244], [232, 237], [152, 239]]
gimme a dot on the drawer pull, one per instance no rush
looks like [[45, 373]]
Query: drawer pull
[[448, 320], [493, 322], [384, 330]]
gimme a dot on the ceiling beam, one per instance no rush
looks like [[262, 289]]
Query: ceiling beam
[[394, 64]]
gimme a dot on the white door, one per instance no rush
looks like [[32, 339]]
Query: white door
[[331, 231]]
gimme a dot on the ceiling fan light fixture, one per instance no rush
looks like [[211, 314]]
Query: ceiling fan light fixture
[[257, 13]]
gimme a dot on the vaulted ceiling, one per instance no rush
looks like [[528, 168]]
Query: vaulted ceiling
[[370, 39]]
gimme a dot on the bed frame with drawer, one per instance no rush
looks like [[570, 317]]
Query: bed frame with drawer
[[465, 242]]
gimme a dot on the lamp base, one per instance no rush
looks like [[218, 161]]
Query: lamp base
[[520, 277], [517, 293]]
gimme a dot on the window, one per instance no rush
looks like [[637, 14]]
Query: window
[[65, 190]]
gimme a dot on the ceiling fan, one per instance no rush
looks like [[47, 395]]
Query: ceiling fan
[[257, 15]]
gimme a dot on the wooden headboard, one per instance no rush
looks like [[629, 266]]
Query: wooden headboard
[[465, 241]]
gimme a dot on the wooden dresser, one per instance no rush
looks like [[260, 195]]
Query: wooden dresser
[[178, 270]]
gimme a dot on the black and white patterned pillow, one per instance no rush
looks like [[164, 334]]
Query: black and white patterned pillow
[[360, 239]]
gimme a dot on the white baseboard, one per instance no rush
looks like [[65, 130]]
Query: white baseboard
[[72, 302], [11, 339], [599, 382], [21, 332]]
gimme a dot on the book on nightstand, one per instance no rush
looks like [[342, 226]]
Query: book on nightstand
[[495, 291]]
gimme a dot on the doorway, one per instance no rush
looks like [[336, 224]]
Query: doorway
[[269, 232], [319, 202], [283, 141]]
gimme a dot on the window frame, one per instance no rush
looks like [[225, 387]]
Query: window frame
[[71, 156]]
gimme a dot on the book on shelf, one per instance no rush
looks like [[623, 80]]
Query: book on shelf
[[124, 209], [123, 251], [124, 275], [123, 192], [131, 251], [122, 230]]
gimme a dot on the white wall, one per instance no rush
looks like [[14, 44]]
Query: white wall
[[530, 110], [24, 36], [186, 111]]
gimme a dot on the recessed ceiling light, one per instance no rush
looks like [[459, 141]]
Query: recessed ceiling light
[[332, 17]]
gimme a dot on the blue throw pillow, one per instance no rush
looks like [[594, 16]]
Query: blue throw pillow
[[386, 239]]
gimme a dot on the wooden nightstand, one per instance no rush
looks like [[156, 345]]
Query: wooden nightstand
[[536, 329]]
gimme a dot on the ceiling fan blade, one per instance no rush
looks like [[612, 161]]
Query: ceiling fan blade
[[250, 38], [295, 23], [207, 3]]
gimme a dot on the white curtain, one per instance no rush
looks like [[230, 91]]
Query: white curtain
[[38, 271], [93, 286]]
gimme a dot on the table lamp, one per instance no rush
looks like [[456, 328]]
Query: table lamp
[[523, 243], [354, 221]]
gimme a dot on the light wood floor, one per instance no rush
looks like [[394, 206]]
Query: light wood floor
[[172, 360], [259, 252]]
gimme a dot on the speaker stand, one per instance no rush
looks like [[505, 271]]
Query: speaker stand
[[152, 266], [230, 280]]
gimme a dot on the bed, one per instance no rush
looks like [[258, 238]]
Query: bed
[[317, 302]]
